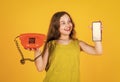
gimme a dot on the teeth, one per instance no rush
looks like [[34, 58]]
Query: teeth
[[67, 29]]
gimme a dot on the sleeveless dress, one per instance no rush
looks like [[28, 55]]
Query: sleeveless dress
[[64, 62]]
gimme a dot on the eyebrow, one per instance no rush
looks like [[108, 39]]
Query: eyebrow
[[62, 21]]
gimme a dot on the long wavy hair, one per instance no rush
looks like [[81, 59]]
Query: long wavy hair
[[53, 31]]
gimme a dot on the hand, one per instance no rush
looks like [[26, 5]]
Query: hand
[[91, 26], [33, 49], [37, 51]]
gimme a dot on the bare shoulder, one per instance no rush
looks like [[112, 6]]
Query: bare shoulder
[[82, 42], [83, 45]]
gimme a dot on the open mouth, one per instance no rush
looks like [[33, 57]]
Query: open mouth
[[67, 29]]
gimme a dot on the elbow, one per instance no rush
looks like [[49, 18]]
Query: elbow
[[40, 69], [99, 53]]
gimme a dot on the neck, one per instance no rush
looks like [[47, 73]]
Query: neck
[[64, 38]]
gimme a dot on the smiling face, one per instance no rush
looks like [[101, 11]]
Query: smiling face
[[66, 25], [61, 26]]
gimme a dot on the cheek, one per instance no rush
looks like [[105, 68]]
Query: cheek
[[62, 27], [71, 25], [61, 30]]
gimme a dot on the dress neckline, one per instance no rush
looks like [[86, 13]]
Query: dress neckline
[[64, 44]]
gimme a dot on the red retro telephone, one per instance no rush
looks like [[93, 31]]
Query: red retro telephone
[[31, 41]]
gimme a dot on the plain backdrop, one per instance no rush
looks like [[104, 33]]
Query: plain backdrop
[[33, 16]]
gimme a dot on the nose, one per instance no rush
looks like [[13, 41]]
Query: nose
[[67, 24]]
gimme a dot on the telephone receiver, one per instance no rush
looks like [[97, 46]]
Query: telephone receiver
[[29, 41]]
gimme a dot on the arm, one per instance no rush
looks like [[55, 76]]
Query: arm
[[97, 49], [41, 62]]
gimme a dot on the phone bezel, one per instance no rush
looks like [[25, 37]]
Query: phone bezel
[[100, 29]]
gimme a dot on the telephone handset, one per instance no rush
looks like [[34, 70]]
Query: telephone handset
[[31, 41]]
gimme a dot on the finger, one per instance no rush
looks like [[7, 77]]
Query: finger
[[27, 48], [90, 26], [37, 49], [101, 27]]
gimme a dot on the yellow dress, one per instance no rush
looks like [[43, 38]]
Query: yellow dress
[[64, 63]]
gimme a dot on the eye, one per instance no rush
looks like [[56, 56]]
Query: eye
[[69, 21], [62, 23]]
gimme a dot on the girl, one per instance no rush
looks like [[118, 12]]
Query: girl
[[60, 56]]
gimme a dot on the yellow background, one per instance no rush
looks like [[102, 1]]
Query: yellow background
[[33, 16]]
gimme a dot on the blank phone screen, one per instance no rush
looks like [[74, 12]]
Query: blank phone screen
[[96, 27]]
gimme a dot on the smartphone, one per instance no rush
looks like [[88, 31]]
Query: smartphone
[[96, 31]]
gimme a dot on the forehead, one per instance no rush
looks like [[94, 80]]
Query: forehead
[[65, 16]]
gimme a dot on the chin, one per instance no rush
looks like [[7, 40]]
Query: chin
[[67, 34]]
